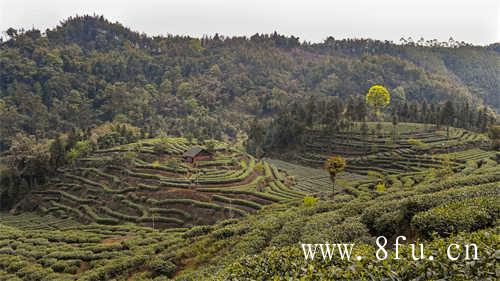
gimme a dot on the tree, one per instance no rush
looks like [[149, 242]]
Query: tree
[[394, 128], [58, 151], [494, 134], [166, 87], [447, 115], [378, 97], [256, 136], [210, 145], [27, 164], [334, 165], [310, 109], [364, 131], [361, 108], [399, 95], [351, 110], [12, 32]]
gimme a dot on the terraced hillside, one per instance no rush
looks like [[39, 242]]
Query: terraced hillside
[[33, 222], [439, 209], [317, 182], [93, 252], [410, 150], [149, 183], [140, 212]]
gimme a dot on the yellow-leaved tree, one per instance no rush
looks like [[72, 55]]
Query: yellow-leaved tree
[[334, 165], [378, 97]]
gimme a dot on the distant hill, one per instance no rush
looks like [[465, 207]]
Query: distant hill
[[88, 70]]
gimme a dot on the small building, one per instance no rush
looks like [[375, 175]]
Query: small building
[[196, 153]]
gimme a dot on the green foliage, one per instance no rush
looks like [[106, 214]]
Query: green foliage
[[114, 133], [375, 174], [197, 231], [465, 215], [309, 201], [89, 71], [418, 144], [380, 187], [335, 165], [494, 134], [81, 148], [288, 263], [128, 85], [378, 96], [162, 267]]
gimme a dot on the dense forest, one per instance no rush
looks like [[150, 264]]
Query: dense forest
[[88, 71]]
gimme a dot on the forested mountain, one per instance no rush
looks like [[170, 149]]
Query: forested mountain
[[129, 157], [88, 71]]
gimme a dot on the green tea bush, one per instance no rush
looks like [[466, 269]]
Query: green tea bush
[[162, 267], [290, 233], [72, 255], [95, 217], [192, 202], [371, 217], [116, 267], [464, 215], [252, 242], [66, 266], [197, 231], [182, 213], [287, 263], [229, 231], [424, 202], [384, 218]]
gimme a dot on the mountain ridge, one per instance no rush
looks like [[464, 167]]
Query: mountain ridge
[[109, 72]]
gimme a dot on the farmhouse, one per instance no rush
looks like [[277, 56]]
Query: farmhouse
[[196, 153]]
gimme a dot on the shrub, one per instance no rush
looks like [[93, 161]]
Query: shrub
[[259, 167], [380, 187], [229, 231], [287, 263], [80, 149], [465, 215], [69, 266], [374, 174], [418, 144], [424, 202], [160, 266], [172, 163], [197, 231], [388, 223], [371, 216], [310, 201]]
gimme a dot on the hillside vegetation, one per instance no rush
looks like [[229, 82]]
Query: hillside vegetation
[[87, 71], [149, 183], [129, 157], [454, 198]]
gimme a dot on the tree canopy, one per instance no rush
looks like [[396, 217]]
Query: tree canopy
[[378, 97]]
